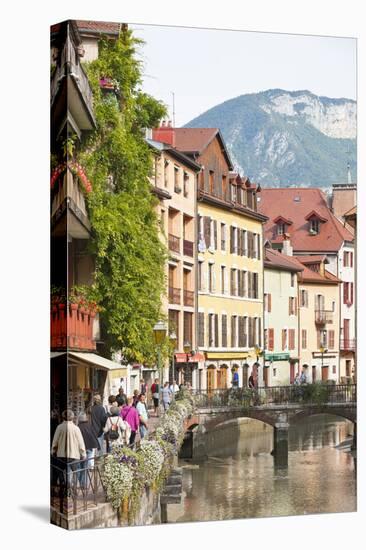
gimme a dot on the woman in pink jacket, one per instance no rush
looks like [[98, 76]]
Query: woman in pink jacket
[[130, 415]]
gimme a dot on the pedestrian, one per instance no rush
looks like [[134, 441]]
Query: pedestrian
[[135, 398], [68, 448], [143, 415], [130, 415], [98, 417], [155, 390], [143, 387], [166, 396], [251, 382], [174, 388], [91, 445], [121, 397], [117, 429], [235, 379], [302, 378], [297, 380], [112, 402]]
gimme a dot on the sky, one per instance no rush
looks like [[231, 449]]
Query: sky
[[206, 67]]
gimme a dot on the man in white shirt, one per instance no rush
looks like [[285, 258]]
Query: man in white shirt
[[174, 387]]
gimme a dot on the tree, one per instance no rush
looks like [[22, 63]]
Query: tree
[[130, 256]]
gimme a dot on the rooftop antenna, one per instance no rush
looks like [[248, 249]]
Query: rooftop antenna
[[173, 96]]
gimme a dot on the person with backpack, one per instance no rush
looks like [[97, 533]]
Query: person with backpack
[[155, 390], [117, 429]]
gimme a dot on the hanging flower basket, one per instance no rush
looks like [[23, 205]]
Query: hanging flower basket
[[76, 169]]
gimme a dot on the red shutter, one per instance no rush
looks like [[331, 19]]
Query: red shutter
[[295, 312], [344, 259], [351, 292], [331, 339], [351, 259], [271, 339], [303, 338], [289, 306], [269, 302], [345, 292]]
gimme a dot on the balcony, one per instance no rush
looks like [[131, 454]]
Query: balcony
[[188, 298], [323, 316], [347, 344], [174, 295], [72, 327], [188, 248], [174, 243]]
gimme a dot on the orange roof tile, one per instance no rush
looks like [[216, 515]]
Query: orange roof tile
[[295, 204], [273, 258]]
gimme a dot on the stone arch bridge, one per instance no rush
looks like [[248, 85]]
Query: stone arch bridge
[[278, 407]]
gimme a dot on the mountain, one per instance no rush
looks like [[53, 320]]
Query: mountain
[[280, 138]]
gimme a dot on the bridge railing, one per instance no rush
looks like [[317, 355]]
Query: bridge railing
[[311, 394]]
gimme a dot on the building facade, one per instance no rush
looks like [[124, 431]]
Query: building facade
[[281, 318]]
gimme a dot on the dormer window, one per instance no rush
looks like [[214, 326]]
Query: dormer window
[[315, 220], [282, 225]]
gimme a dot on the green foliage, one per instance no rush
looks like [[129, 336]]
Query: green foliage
[[129, 255]]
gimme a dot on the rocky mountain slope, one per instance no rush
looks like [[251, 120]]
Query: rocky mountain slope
[[282, 138]]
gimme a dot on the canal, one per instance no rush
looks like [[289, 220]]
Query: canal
[[240, 479]]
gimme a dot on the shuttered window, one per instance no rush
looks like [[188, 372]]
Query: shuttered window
[[271, 339], [207, 230], [258, 247], [255, 285], [251, 332], [201, 329], [331, 339], [216, 320], [210, 330], [241, 332], [233, 331], [224, 331], [215, 234], [284, 339], [291, 338], [304, 339]]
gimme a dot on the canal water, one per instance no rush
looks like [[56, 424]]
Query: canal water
[[241, 480]]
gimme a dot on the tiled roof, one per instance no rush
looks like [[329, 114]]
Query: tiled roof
[[273, 258], [99, 27], [295, 204], [314, 259], [309, 276], [195, 140]]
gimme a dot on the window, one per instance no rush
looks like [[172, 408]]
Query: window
[[268, 302], [291, 338], [213, 330], [177, 188], [166, 173], [255, 285], [292, 306], [331, 339], [274, 372], [284, 339], [187, 327], [314, 225], [348, 293], [201, 329], [270, 339], [200, 276], [224, 331], [211, 277], [174, 322], [211, 180], [185, 184], [303, 339], [334, 369], [223, 237], [258, 247], [242, 333], [233, 192], [242, 275], [293, 279], [304, 298], [234, 282], [234, 331], [223, 279], [348, 367], [281, 228]]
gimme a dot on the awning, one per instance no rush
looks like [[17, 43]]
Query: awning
[[93, 359], [227, 355], [180, 357], [196, 358]]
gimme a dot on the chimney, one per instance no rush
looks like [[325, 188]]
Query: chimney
[[165, 133], [322, 268], [286, 245]]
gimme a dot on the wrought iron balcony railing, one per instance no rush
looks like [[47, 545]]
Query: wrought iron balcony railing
[[323, 316], [188, 298], [174, 243], [174, 295], [347, 344]]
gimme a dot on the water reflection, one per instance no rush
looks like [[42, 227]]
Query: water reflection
[[241, 479]]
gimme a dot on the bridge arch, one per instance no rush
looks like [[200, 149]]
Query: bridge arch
[[341, 412]]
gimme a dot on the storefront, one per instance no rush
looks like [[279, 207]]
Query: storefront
[[77, 376], [279, 369]]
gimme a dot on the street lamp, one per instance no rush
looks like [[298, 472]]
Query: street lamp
[[160, 331], [186, 348], [173, 339], [258, 352]]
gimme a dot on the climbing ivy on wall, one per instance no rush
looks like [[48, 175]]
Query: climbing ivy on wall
[[129, 255]]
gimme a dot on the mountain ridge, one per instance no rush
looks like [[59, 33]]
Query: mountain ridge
[[285, 138]]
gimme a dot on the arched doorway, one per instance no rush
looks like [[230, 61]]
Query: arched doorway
[[222, 377]]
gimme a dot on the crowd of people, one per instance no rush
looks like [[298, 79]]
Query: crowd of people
[[117, 423]]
